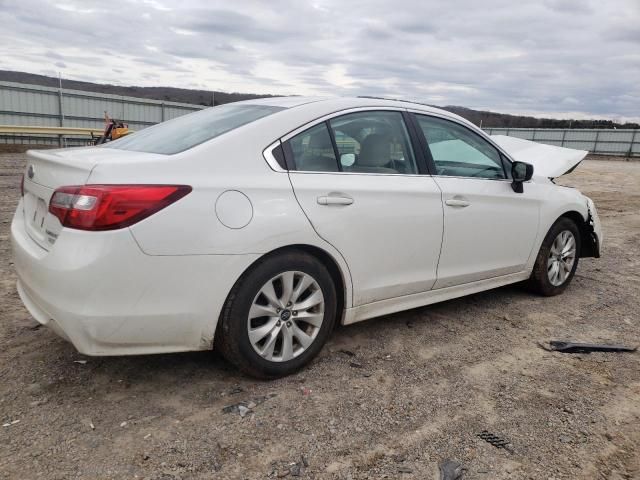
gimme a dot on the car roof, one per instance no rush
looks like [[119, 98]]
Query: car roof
[[331, 104], [284, 102]]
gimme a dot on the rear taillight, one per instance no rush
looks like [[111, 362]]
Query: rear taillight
[[109, 207], [22, 186]]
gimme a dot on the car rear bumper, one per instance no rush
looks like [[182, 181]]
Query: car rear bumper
[[102, 293]]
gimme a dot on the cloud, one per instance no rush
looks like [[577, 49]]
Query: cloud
[[552, 57]]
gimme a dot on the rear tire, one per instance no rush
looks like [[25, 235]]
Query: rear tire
[[278, 315], [557, 259]]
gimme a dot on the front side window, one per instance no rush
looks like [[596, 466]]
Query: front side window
[[193, 129], [459, 152], [373, 142]]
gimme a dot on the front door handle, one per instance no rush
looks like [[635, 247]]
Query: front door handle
[[457, 202], [331, 200]]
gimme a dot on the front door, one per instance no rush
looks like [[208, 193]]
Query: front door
[[489, 230]]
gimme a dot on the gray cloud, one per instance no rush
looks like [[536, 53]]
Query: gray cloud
[[552, 57]]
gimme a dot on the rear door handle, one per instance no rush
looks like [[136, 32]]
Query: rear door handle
[[331, 200], [457, 202]]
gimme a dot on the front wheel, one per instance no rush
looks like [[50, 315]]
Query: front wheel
[[557, 260], [278, 315]]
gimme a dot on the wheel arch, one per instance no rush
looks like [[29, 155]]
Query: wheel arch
[[588, 240], [342, 280], [338, 276]]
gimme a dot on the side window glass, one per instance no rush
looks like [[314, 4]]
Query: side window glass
[[459, 152], [313, 151], [278, 154], [373, 142]]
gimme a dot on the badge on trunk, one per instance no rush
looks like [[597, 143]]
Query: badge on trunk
[[31, 172]]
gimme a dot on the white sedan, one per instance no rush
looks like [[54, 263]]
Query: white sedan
[[255, 227]]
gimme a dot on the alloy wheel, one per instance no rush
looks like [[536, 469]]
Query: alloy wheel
[[562, 256], [285, 316]]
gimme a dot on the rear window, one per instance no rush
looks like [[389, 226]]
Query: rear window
[[184, 132]]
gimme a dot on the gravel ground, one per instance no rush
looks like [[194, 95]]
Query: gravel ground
[[388, 398]]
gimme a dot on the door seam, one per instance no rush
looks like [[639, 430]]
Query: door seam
[[442, 231], [293, 190]]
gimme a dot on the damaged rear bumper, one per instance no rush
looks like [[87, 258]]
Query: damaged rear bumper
[[99, 291]]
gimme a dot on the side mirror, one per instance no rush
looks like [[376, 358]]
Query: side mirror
[[347, 159], [520, 172]]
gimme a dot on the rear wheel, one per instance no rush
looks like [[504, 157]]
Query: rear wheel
[[278, 315], [557, 260]]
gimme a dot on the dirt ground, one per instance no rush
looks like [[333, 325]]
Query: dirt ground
[[388, 398]]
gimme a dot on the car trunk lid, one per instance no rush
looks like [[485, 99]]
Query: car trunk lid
[[48, 170]]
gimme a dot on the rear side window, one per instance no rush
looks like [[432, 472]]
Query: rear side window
[[185, 132], [373, 142], [312, 150], [365, 142]]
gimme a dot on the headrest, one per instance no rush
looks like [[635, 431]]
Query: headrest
[[375, 150]]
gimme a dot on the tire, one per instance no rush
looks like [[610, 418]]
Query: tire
[[289, 342], [543, 279]]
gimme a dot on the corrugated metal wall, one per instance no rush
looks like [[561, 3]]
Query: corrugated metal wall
[[600, 141], [33, 105]]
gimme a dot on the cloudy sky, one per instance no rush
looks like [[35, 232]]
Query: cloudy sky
[[562, 58]]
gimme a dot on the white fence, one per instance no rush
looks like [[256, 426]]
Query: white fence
[[34, 105], [599, 141]]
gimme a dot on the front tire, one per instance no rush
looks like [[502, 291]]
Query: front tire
[[557, 260], [278, 315]]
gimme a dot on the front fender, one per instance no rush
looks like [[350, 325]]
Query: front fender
[[556, 202]]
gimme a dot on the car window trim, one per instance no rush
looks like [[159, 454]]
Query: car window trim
[[417, 152], [423, 139], [410, 138], [273, 163], [416, 132], [336, 152], [480, 133], [289, 158], [421, 142]]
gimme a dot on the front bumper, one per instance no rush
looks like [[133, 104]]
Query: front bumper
[[595, 229], [103, 294]]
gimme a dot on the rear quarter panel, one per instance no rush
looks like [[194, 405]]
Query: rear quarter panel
[[232, 162]]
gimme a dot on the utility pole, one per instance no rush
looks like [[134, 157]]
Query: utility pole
[[62, 141], [213, 97]]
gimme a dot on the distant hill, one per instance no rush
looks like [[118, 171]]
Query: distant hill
[[492, 119], [203, 97], [169, 94]]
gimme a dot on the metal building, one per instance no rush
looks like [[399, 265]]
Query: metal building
[[33, 105]]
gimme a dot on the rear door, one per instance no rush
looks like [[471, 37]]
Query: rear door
[[365, 190], [489, 230]]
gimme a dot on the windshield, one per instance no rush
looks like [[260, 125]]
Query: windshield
[[193, 129]]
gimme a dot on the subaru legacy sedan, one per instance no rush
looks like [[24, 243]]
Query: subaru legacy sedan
[[254, 228]]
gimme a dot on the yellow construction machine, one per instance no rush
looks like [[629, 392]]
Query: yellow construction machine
[[113, 129]]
